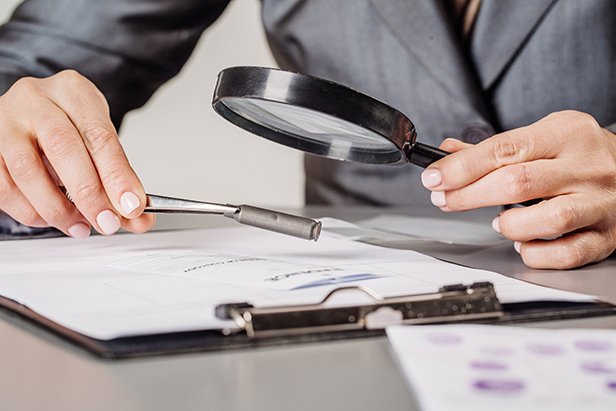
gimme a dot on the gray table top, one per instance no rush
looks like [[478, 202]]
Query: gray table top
[[40, 371]]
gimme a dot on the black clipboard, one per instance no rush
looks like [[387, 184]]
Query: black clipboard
[[313, 323]]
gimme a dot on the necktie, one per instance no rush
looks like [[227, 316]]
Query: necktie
[[464, 13]]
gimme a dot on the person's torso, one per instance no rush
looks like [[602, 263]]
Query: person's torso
[[525, 60]]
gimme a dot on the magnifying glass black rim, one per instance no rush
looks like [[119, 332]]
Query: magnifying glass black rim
[[319, 95]]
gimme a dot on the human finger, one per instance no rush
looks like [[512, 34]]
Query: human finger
[[468, 164], [431, 176], [14, 203], [569, 251], [516, 146], [451, 145], [89, 112], [65, 151], [139, 224], [567, 134], [548, 219], [29, 174], [513, 184]]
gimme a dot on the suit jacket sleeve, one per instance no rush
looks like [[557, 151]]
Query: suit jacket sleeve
[[128, 48]]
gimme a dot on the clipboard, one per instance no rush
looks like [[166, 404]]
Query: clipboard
[[274, 326]]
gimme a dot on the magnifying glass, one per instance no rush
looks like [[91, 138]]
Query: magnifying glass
[[319, 117]]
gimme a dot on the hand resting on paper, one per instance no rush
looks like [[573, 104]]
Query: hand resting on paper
[[57, 132], [566, 159]]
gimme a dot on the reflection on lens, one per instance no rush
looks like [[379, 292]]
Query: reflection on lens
[[342, 137]]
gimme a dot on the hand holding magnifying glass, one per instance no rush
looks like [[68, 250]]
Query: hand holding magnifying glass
[[570, 161], [318, 117]]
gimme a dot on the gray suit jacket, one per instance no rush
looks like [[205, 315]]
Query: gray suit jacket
[[525, 60]]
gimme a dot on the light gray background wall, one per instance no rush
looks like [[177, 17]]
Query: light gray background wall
[[180, 147]]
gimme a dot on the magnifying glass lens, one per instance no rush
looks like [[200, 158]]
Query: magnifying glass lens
[[336, 138]]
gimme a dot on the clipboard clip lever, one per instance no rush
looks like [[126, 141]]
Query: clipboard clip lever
[[452, 303]]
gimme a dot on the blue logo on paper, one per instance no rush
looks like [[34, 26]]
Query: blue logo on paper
[[338, 280]]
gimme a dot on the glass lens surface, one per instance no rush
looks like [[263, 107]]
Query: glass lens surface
[[344, 139]]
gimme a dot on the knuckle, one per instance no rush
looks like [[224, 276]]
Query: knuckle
[[86, 192], [97, 136], [564, 218], [57, 140], [70, 77], [54, 215], [76, 81], [506, 150], [585, 121], [582, 126], [518, 185], [21, 164], [114, 177], [574, 255], [26, 85], [22, 92]]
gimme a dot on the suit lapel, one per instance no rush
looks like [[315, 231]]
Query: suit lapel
[[423, 27], [501, 30]]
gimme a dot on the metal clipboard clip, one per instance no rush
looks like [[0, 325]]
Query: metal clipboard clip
[[451, 303]]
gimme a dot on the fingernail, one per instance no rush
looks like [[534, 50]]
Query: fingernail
[[517, 246], [431, 178], [79, 231], [495, 225], [129, 202], [438, 198], [108, 222]]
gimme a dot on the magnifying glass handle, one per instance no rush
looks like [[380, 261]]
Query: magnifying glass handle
[[423, 155]]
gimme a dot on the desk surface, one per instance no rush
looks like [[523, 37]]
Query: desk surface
[[39, 371]]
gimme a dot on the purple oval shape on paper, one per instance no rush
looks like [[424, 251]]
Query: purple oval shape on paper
[[611, 385], [443, 338], [499, 386], [488, 365], [594, 345], [599, 367], [545, 349]]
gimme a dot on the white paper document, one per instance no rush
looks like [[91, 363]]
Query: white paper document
[[482, 367], [392, 227], [159, 282], [242, 270], [436, 229]]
